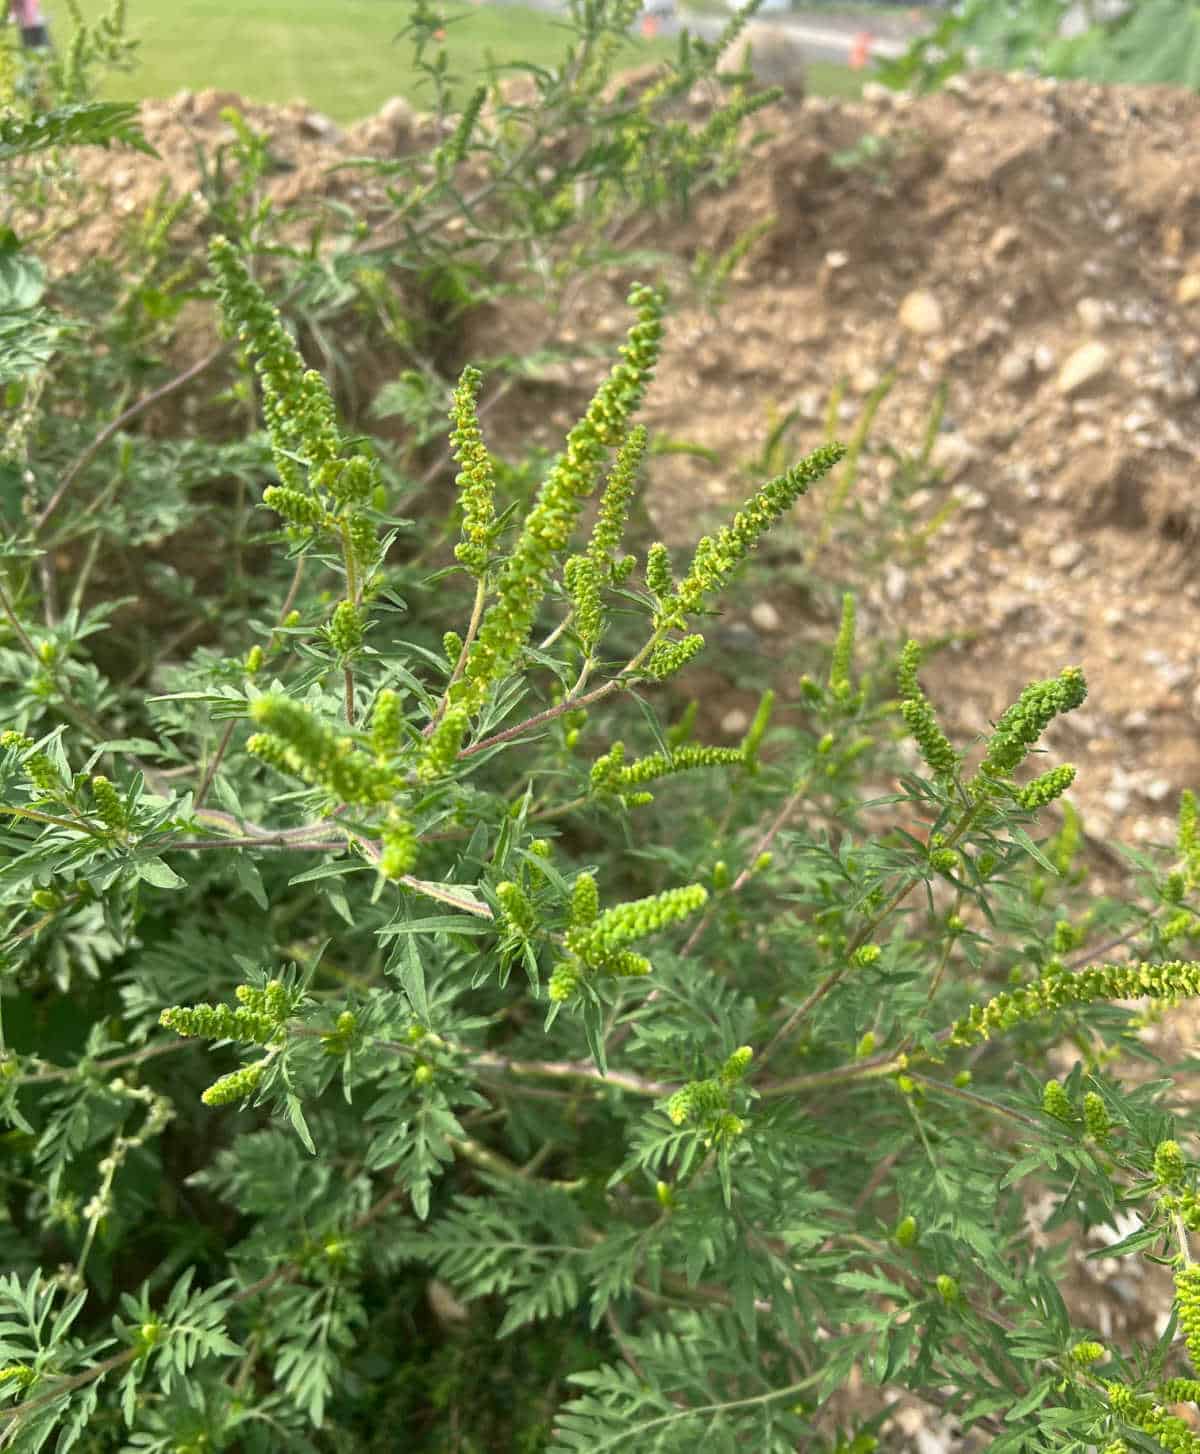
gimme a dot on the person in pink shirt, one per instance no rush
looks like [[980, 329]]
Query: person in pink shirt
[[28, 14]]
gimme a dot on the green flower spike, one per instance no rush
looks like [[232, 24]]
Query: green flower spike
[[614, 507], [110, 808], [387, 725], [346, 628], [620, 925], [399, 852], [38, 768], [843, 653], [1088, 1352], [525, 576], [452, 645], [221, 1022], [1188, 840], [1053, 991], [585, 902], [716, 559], [1096, 1120], [1057, 1103], [519, 913], [234, 1087], [658, 571], [1169, 1167], [753, 738], [919, 716], [443, 746], [1024, 722], [296, 742], [669, 657], [564, 981], [476, 479], [581, 575], [1046, 788], [295, 507]]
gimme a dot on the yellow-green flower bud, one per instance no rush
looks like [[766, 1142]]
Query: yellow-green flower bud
[[564, 981], [658, 571], [720, 875], [1088, 1352], [762, 863], [422, 1074], [665, 1194], [947, 1288], [233, 1087], [1056, 1102], [254, 660], [1169, 1166], [48, 652], [865, 1046], [736, 1066], [963, 1079], [864, 955], [443, 746], [452, 645], [295, 507], [1096, 1120], [519, 913], [906, 1084], [399, 854], [585, 902], [387, 724], [906, 1232], [346, 628], [110, 808]]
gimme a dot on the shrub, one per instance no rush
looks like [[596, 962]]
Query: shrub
[[493, 1028]]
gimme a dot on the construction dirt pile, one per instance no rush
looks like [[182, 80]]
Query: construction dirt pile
[[1035, 247]]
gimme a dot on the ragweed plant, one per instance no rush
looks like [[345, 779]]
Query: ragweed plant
[[757, 1114]]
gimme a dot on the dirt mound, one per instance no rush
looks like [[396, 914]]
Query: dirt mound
[[1035, 245]]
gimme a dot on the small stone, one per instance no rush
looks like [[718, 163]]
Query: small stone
[[1043, 358], [895, 582], [1157, 789], [875, 94], [765, 616], [951, 454], [1066, 555], [1083, 367], [735, 722], [1015, 367], [1003, 240], [1187, 290], [920, 312], [1092, 313]]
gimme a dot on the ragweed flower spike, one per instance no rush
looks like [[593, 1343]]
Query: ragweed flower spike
[[1055, 990], [476, 479], [716, 559], [297, 743], [1024, 722], [525, 577], [918, 714], [843, 653]]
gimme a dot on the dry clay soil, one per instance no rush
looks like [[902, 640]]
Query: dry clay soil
[[1037, 247]]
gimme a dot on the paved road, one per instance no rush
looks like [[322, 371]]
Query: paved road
[[823, 35]]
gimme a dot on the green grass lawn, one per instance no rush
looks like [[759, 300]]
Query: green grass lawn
[[340, 57]]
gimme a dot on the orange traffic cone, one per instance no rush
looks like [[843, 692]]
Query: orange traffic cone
[[860, 51]]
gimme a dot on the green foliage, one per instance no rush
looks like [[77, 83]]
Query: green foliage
[[1150, 42], [291, 1155]]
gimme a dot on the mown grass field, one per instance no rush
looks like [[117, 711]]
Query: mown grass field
[[341, 56]]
